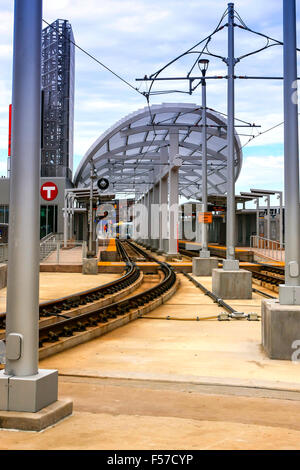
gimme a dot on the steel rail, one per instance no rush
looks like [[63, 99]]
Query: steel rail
[[66, 327], [268, 278], [56, 306]]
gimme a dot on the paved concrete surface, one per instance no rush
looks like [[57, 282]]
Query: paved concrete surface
[[136, 387], [55, 285], [124, 417], [183, 350]]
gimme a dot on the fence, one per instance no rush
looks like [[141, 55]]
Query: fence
[[72, 253], [271, 249]]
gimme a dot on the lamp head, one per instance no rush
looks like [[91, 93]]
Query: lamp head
[[203, 65]]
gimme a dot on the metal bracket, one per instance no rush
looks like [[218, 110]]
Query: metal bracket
[[226, 60]]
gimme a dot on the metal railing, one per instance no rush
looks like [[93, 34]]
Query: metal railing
[[47, 246], [71, 253], [271, 249], [52, 250]]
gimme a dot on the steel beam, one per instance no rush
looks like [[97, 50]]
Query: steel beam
[[230, 214], [23, 268], [173, 194], [289, 293]]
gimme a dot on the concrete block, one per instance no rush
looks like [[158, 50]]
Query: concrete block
[[4, 390], [280, 329], [111, 256], [90, 266], [289, 295], [231, 264], [171, 256], [42, 419], [204, 266], [32, 393], [204, 254], [232, 284]]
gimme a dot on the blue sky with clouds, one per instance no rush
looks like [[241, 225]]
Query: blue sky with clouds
[[137, 37]]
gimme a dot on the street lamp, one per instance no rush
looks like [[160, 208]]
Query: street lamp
[[203, 66]]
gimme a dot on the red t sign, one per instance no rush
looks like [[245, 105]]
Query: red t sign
[[49, 191]]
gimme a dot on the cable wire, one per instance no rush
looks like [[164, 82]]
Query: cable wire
[[93, 58]]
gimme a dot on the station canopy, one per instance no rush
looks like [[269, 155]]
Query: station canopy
[[128, 153]]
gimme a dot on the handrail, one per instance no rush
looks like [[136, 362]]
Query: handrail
[[272, 249]]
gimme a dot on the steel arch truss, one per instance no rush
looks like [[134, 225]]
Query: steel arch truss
[[128, 153]]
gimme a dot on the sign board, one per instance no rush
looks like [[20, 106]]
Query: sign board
[[49, 191], [205, 217], [103, 184]]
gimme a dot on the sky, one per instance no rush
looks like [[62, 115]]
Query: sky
[[137, 37]]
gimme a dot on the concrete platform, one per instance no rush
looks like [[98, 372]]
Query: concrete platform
[[55, 285], [191, 382], [191, 350], [43, 419], [241, 253]]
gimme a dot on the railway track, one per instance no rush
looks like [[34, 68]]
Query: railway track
[[64, 330], [101, 316], [63, 306], [271, 275]]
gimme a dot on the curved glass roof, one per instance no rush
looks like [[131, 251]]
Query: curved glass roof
[[128, 153]]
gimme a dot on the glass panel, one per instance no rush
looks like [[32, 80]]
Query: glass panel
[[50, 221], [43, 229]]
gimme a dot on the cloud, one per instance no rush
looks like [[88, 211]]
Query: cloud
[[261, 172], [137, 37]]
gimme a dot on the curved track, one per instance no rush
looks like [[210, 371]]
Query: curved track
[[68, 326], [63, 304]]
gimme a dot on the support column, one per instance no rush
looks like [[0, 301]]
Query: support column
[[281, 320], [155, 218], [150, 202], [230, 263], [23, 387], [143, 228], [66, 220], [204, 253], [163, 205], [147, 198], [268, 220], [173, 194], [257, 219], [280, 221], [230, 282], [71, 217]]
